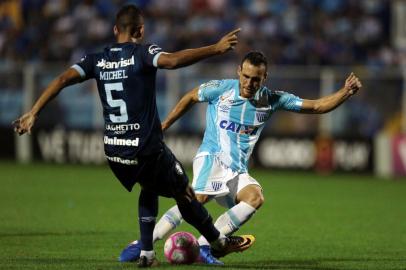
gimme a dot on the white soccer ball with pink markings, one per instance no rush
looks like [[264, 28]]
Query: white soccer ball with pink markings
[[181, 248]]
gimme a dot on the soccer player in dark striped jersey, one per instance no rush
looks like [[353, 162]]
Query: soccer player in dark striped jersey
[[125, 73]]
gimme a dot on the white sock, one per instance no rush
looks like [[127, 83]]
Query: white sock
[[169, 221], [150, 254], [218, 243], [232, 220]]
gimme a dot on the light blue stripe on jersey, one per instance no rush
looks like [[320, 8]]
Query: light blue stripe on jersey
[[212, 133], [211, 140], [80, 70], [289, 102], [204, 173]]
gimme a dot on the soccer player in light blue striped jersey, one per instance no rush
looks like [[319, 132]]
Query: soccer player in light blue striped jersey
[[236, 115]]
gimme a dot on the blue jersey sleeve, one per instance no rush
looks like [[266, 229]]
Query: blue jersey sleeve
[[150, 55], [210, 91], [85, 67], [287, 101]]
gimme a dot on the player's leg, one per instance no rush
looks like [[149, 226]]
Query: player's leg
[[195, 214], [176, 181], [172, 219], [244, 199], [213, 178], [249, 201], [125, 174], [169, 221], [193, 211], [147, 213], [202, 169]]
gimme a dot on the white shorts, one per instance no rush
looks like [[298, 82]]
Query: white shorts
[[211, 177]]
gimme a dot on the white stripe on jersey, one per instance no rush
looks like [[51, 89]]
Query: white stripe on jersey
[[80, 70], [155, 60]]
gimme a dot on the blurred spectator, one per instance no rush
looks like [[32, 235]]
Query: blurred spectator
[[320, 32]]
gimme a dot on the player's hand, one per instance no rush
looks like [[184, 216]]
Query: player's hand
[[164, 125], [228, 41], [352, 84], [24, 124]]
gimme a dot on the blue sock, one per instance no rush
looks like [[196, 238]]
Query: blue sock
[[147, 212]]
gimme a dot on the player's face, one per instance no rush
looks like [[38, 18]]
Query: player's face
[[251, 78]]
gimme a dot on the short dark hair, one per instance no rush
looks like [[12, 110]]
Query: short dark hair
[[256, 58], [129, 18]]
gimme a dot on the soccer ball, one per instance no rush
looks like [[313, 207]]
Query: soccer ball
[[181, 248]]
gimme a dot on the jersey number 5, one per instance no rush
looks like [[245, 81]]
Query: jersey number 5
[[123, 117]]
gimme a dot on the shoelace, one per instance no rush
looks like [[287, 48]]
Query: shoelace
[[235, 240]]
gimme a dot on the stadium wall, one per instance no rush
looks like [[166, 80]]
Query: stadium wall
[[321, 154]]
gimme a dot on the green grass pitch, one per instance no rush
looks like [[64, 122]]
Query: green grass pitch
[[79, 217]]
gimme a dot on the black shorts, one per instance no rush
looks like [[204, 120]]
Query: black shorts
[[160, 173]]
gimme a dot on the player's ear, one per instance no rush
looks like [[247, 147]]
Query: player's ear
[[141, 32], [239, 70], [115, 30]]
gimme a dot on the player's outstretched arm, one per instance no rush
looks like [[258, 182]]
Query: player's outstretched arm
[[328, 103], [191, 56], [25, 123], [186, 102]]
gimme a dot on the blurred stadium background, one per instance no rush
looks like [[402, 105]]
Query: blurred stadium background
[[311, 44], [322, 175]]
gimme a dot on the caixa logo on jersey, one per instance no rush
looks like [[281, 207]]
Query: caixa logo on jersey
[[103, 64], [261, 116], [238, 128]]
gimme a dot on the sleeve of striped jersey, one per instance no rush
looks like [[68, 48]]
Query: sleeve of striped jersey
[[289, 102], [210, 91], [150, 55], [85, 67]]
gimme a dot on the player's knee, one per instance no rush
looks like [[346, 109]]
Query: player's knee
[[251, 195], [202, 198], [256, 200]]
